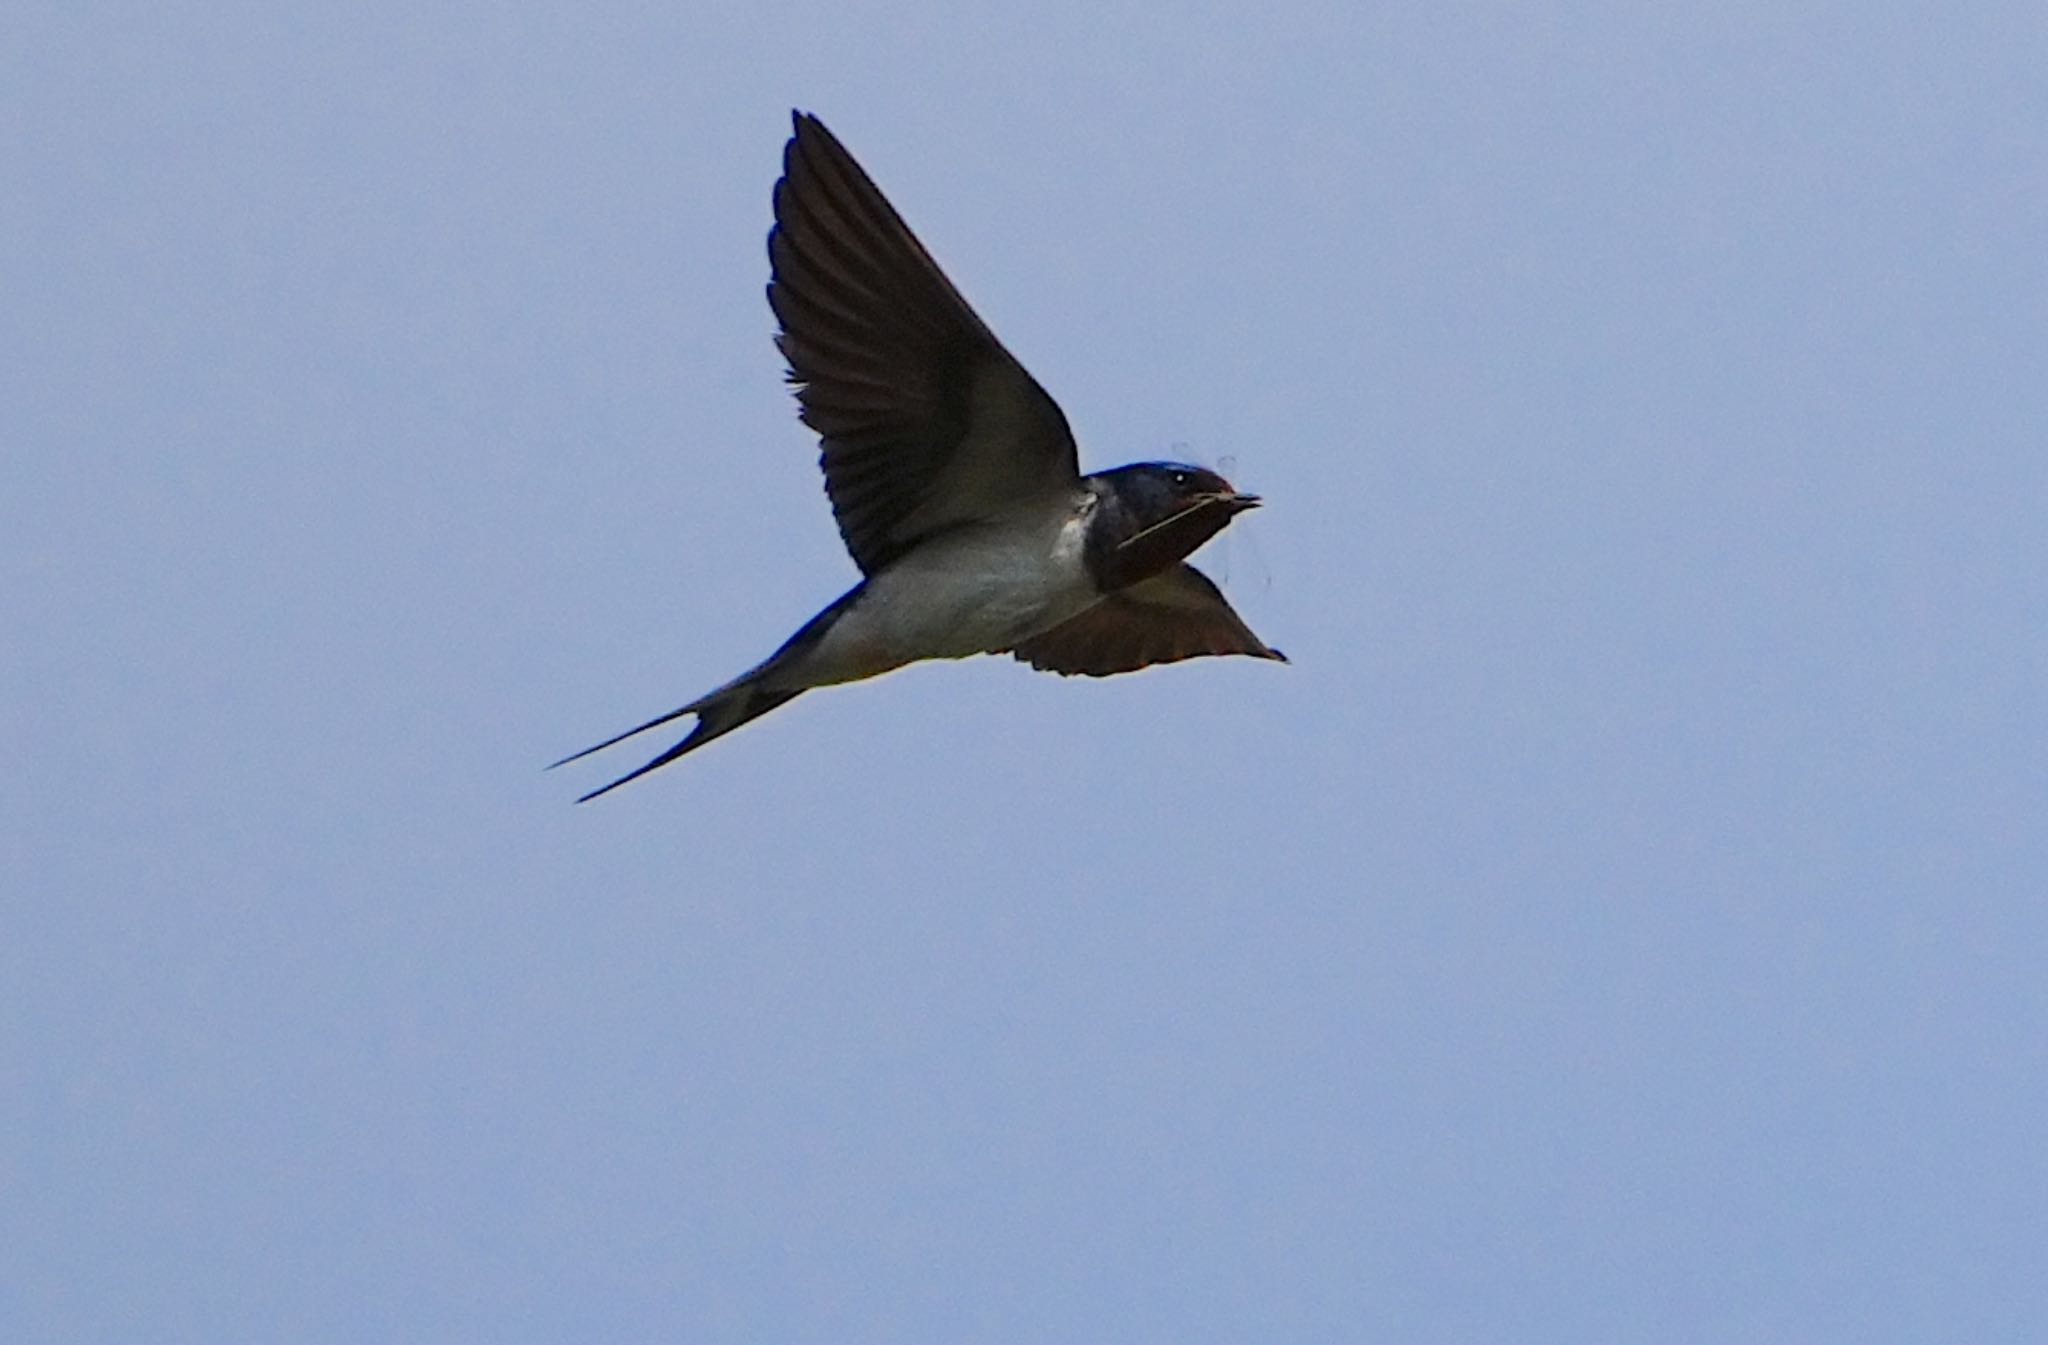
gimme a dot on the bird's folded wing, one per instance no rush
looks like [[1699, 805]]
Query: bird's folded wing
[[1177, 615], [926, 421]]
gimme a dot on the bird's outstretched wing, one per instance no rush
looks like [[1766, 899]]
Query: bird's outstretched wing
[[1176, 615], [926, 421]]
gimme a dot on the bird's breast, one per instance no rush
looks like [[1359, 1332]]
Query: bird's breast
[[970, 591]]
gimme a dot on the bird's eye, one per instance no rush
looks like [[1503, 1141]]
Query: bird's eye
[[1181, 478]]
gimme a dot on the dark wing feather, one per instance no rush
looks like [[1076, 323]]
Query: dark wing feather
[[926, 421], [1173, 616]]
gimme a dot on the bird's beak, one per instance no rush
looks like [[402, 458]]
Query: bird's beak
[[1237, 504]]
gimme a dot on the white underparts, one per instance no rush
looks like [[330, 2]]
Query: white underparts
[[971, 591]]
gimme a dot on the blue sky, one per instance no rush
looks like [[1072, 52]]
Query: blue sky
[[1622, 922]]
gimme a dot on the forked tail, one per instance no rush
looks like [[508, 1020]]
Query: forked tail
[[717, 715]]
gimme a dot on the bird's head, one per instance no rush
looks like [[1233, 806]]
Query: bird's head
[[1153, 515]]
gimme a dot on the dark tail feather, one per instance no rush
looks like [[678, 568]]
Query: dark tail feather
[[723, 710], [621, 737], [717, 715]]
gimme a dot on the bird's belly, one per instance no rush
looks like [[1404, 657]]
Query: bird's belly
[[954, 597]]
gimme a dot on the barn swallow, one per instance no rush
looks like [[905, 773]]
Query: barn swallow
[[954, 479]]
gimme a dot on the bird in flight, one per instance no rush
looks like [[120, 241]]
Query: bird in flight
[[954, 479]]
